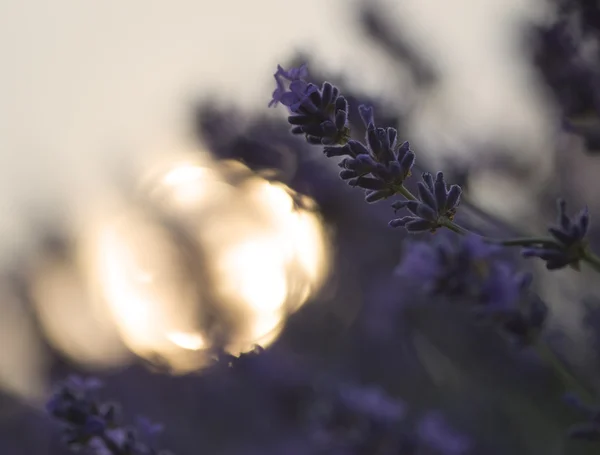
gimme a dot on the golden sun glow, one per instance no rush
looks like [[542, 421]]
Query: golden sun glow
[[212, 256]]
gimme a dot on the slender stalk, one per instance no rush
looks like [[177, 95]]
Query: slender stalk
[[406, 193], [592, 260], [455, 227]]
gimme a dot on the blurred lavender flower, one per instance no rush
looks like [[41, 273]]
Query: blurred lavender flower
[[569, 245], [467, 267], [436, 205], [566, 54], [356, 419], [434, 432], [93, 425], [372, 402], [73, 404]]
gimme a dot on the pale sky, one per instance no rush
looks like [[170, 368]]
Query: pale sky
[[87, 87]]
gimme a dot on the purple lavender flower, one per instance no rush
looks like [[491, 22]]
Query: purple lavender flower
[[320, 114], [93, 425], [355, 419], [381, 166], [434, 432], [450, 264], [466, 266], [281, 77], [372, 402], [569, 244], [437, 204]]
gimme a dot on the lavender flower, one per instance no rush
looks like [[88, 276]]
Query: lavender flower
[[380, 165], [466, 266], [372, 402], [436, 205], [356, 419], [281, 95], [93, 425], [73, 404], [321, 115], [569, 244], [434, 432]]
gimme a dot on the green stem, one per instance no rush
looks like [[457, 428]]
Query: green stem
[[592, 260], [455, 227], [406, 193]]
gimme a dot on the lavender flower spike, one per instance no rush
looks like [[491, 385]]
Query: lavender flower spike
[[320, 114], [381, 165], [570, 243], [436, 205]]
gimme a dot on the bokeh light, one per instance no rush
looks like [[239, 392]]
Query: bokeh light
[[205, 256]]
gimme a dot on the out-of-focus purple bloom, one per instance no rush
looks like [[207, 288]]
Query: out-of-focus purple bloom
[[569, 240], [355, 419], [569, 64], [449, 264], [93, 425], [466, 266], [149, 428], [372, 402], [436, 204], [434, 432]]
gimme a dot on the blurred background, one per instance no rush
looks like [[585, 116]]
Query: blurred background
[[155, 214]]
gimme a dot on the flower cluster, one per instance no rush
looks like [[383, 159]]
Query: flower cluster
[[94, 425], [344, 416], [379, 165], [350, 416], [468, 268], [364, 419]]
